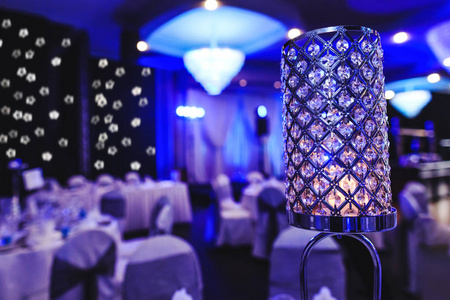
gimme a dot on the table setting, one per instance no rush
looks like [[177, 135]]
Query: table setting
[[30, 239]]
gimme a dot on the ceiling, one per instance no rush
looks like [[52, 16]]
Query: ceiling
[[106, 20]]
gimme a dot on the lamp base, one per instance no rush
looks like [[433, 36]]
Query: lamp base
[[343, 224], [361, 238]]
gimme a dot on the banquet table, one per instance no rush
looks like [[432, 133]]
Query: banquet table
[[141, 199], [25, 271]]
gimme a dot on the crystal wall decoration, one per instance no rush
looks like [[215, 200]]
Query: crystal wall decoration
[[335, 123], [122, 123], [37, 73]]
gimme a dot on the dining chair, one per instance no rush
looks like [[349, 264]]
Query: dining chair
[[105, 180], [160, 267], [161, 221], [133, 178], [255, 177], [83, 268], [76, 181], [270, 221], [427, 244], [285, 262], [234, 224], [113, 203]]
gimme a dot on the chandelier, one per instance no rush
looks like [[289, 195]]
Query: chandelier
[[213, 44], [214, 68]]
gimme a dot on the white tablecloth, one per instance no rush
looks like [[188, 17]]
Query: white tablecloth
[[25, 273], [140, 201]]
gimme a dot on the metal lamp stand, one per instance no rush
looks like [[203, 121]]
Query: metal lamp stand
[[338, 226], [365, 241]]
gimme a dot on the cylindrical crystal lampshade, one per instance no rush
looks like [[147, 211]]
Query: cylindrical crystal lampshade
[[336, 131]]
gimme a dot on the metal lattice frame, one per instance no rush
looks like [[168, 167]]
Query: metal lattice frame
[[336, 130]]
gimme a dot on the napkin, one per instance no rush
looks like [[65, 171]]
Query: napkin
[[324, 294], [181, 295]]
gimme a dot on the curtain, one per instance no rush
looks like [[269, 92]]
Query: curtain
[[216, 126], [225, 140]]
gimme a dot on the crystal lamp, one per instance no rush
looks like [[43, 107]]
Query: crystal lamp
[[336, 133]]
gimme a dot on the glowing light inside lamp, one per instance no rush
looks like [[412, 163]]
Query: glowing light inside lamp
[[142, 46], [389, 94], [214, 68], [446, 62], [294, 32], [433, 78], [400, 37], [211, 4], [262, 111], [411, 103], [190, 112]]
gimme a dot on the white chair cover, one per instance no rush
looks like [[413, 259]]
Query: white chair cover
[[325, 266], [235, 225], [255, 177], [105, 180], [424, 234], [76, 181], [271, 220], [132, 178], [162, 217], [224, 193], [52, 185], [84, 267], [159, 267]]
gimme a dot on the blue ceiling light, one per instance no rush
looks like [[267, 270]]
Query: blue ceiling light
[[411, 103], [419, 83], [410, 96], [213, 44]]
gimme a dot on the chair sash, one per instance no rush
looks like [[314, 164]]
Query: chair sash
[[271, 204], [66, 276], [272, 201]]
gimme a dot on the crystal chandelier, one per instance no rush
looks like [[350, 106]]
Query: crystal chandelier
[[214, 67]]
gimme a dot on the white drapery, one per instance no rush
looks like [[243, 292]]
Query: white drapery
[[225, 140]]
